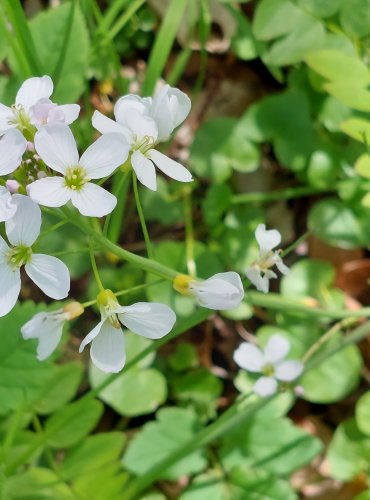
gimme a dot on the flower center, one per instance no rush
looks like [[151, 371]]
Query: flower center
[[267, 260], [143, 144], [268, 370], [75, 178], [18, 256], [22, 121]]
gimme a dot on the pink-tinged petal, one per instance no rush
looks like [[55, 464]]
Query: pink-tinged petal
[[50, 274], [34, 89], [149, 319], [6, 118], [106, 125], [93, 200], [276, 349], [144, 170], [267, 239], [249, 357], [7, 206], [170, 167], [12, 147], [91, 336], [288, 370], [108, 349], [255, 277], [265, 386], [70, 112], [24, 227], [57, 147], [50, 192], [105, 155], [10, 280]]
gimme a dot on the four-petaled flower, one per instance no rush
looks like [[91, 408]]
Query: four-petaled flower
[[57, 147], [143, 123], [270, 362], [33, 108], [47, 328], [260, 271], [221, 291], [47, 272], [149, 319]]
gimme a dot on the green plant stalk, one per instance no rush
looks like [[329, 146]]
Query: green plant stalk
[[59, 65], [113, 221], [189, 234], [234, 416], [283, 194], [163, 44], [276, 301], [95, 269], [124, 19], [109, 16], [148, 244]]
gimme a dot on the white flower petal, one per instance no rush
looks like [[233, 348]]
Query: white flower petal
[[93, 200], [149, 319], [265, 386], [50, 274], [106, 126], [144, 170], [249, 357], [91, 335], [24, 227], [70, 112], [12, 147], [105, 155], [267, 240], [34, 89], [4, 249], [126, 104], [288, 370], [7, 206], [170, 167], [10, 287], [108, 349], [276, 349], [6, 117], [255, 277], [49, 191], [282, 267], [220, 292], [57, 147], [48, 329], [170, 108]]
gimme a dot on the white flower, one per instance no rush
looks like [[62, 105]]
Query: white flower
[[33, 107], [270, 362], [7, 205], [260, 272], [47, 328], [57, 147], [144, 122], [151, 320], [48, 273], [220, 292], [12, 147]]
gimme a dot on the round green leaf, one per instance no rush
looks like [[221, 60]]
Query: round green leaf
[[363, 413]]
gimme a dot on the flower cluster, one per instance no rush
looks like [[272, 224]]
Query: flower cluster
[[42, 167]]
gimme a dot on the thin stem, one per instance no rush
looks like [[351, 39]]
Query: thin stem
[[95, 269], [297, 242], [346, 322], [189, 234], [283, 194], [144, 229]]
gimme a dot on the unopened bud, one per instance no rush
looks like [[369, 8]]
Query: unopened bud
[[105, 298], [12, 186], [181, 284], [73, 310]]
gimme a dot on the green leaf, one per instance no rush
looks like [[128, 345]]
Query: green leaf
[[363, 413], [358, 128], [243, 43], [338, 66], [184, 357], [355, 17], [173, 428], [135, 392], [335, 378], [92, 454], [72, 423], [320, 8], [48, 31], [37, 483], [216, 202], [362, 166], [351, 94], [164, 205], [274, 18], [61, 388], [349, 451]]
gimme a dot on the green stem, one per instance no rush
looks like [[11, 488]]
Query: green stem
[[125, 18], [95, 269], [113, 222], [276, 301], [283, 194], [189, 234], [148, 243]]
